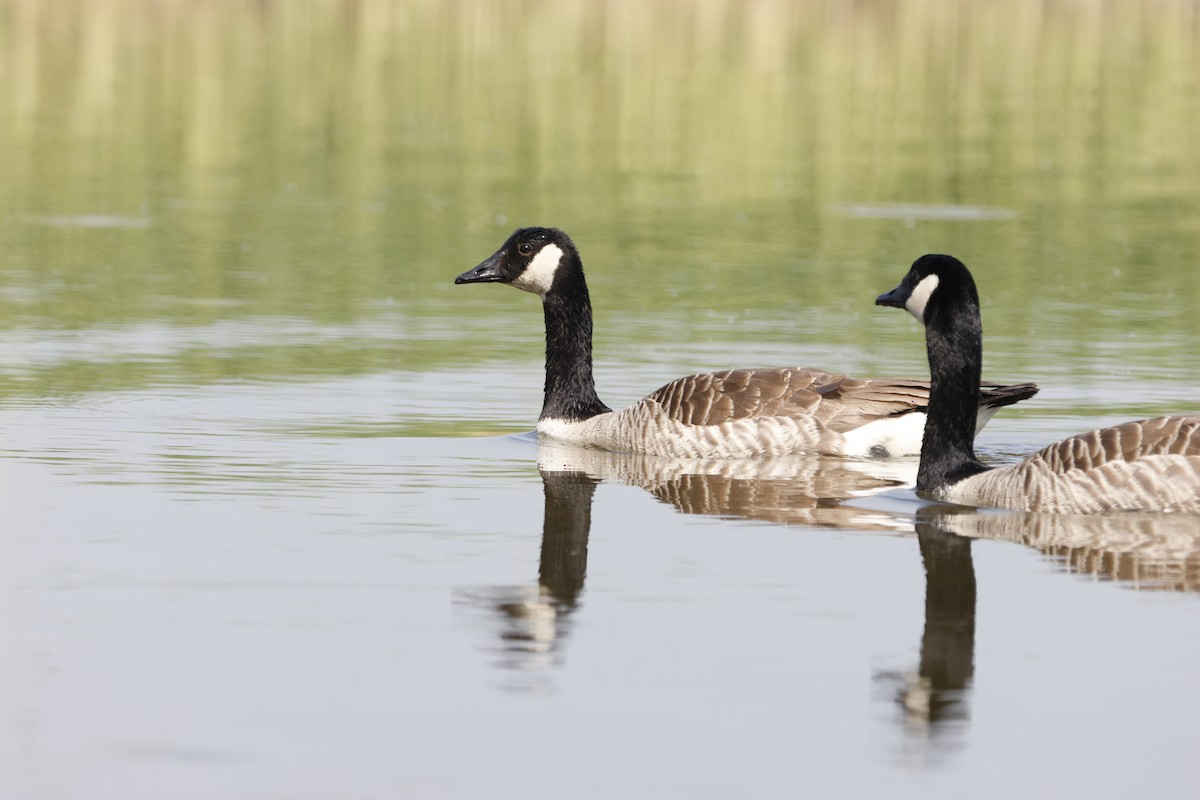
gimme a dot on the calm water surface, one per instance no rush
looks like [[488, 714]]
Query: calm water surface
[[274, 523]]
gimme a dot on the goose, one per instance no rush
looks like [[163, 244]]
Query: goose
[[1144, 465], [739, 413]]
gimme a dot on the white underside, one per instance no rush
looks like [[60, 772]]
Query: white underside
[[897, 436], [893, 436], [639, 429]]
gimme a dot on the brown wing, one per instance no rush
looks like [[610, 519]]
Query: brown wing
[[842, 403], [712, 398], [852, 402]]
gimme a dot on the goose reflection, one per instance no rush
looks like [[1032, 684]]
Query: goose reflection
[[794, 490], [534, 619], [1143, 551], [935, 699]]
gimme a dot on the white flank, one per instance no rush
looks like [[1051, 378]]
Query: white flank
[[566, 430], [539, 273], [897, 436], [893, 436], [920, 297]]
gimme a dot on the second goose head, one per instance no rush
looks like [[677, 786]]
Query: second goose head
[[537, 260], [934, 284], [939, 291]]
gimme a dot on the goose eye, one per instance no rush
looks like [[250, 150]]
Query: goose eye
[[524, 248]]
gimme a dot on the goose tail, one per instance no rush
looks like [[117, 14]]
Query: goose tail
[[996, 395]]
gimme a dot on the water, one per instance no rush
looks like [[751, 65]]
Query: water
[[274, 522]]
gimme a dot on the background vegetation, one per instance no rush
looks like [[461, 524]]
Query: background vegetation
[[285, 189]]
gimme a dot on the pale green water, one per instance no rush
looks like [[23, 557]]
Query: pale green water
[[264, 537]]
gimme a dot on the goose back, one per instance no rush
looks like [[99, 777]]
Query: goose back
[[1139, 465]]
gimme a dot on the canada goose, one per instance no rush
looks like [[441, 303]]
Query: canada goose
[[1147, 465], [741, 413]]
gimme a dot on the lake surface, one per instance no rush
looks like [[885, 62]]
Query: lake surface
[[274, 521]]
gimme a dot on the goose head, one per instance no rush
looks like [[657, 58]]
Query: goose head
[[935, 284], [537, 260]]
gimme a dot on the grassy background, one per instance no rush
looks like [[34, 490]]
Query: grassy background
[[731, 170]]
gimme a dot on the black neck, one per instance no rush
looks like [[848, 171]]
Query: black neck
[[570, 387], [955, 345]]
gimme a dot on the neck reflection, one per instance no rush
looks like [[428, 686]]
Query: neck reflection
[[534, 620], [947, 665], [934, 701]]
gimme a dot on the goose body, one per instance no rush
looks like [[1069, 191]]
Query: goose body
[[1143, 465], [741, 413], [745, 413]]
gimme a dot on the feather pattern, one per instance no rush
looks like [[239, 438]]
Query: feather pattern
[[1140, 465]]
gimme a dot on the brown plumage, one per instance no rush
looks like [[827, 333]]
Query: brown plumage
[[1125, 442], [838, 402], [1145, 465]]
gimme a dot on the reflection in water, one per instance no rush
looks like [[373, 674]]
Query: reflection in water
[[1142, 551], [535, 619], [935, 699], [948, 645], [795, 490], [1147, 551]]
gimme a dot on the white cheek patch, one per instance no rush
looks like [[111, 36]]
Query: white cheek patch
[[539, 273], [920, 297]]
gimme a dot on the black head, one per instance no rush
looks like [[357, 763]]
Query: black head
[[933, 282], [531, 259]]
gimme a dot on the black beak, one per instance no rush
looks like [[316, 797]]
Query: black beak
[[487, 272], [895, 298]]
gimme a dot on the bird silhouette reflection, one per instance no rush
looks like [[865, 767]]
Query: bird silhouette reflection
[[936, 696], [535, 619], [1144, 551], [1154, 552]]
